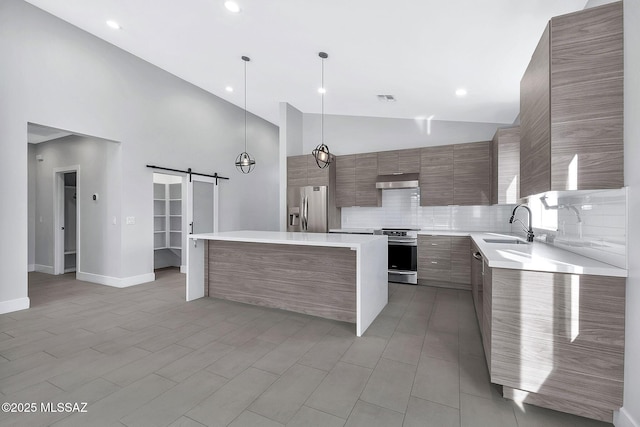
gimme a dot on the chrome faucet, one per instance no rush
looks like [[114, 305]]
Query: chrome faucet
[[529, 230]]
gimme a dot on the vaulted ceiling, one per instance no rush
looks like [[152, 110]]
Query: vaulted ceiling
[[419, 51]]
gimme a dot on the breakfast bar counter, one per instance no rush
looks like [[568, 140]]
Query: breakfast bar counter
[[335, 276]]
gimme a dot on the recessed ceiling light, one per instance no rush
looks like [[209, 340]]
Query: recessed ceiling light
[[232, 6], [461, 92], [386, 98], [229, 89], [113, 24], [322, 90]]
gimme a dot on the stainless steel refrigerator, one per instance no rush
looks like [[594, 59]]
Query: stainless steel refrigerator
[[309, 209]]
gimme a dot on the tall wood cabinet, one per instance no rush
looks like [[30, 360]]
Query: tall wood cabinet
[[571, 104], [505, 166], [303, 171], [366, 173], [346, 180]]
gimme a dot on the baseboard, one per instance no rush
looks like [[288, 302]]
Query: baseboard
[[115, 281], [31, 268], [43, 268], [183, 269], [14, 305], [622, 418]]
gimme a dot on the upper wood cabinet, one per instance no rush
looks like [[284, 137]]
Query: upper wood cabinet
[[472, 173], [346, 180], [571, 104], [399, 161], [366, 173], [505, 166], [436, 176], [303, 171]]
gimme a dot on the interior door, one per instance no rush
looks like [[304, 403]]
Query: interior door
[[202, 205]]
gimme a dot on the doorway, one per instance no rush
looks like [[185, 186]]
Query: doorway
[[66, 218], [168, 222]]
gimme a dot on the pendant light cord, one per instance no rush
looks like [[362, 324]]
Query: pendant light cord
[[322, 108], [245, 106]]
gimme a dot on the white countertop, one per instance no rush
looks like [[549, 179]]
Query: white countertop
[[353, 230], [287, 238], [535, 256]]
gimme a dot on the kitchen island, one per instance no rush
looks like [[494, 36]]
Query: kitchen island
[[335, 276]]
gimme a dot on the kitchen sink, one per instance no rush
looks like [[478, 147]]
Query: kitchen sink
[[506, 241]]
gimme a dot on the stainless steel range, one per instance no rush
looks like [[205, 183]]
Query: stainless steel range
[[403, 254]]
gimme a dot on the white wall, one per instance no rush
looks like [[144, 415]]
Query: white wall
[[351, 134], [31, 160], [56, 75], [100, 166], [630, 414], [290, 145]]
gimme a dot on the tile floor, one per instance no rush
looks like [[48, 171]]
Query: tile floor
[[142, 356]]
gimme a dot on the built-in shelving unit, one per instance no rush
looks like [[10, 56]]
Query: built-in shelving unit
[[167, 223]]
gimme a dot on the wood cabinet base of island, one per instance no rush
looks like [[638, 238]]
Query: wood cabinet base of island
[[313, 280], [556, 340]]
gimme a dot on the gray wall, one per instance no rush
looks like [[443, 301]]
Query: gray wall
[[31, 156], [631, 409], [100, 167], [352, 134], [62, 77]]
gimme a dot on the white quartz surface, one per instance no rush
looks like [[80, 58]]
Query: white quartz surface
[[353, 230], [536, 256], [287, 238]]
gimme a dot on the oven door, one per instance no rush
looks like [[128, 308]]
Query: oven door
[[403, 262]]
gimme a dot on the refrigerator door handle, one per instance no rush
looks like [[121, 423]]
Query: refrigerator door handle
[[305, 204]]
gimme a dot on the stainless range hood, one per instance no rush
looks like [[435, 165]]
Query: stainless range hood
[[396, 181]]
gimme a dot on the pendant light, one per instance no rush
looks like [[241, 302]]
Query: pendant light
[[244, 162], [321, 152]]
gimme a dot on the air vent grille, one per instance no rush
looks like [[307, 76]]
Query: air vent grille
[[386, 98]]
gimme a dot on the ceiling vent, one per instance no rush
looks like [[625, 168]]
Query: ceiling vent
[[386, 98]]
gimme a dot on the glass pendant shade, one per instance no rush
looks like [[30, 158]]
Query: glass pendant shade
[[322, 155], [244, 162]]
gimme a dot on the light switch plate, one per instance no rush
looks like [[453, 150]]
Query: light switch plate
[[131, 220]]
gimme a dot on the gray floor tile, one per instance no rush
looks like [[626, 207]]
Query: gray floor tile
[[185, 422], [404, 348], [478, 411], [422, 413], [281, 331], [367, 415], [251, 419], [383, 326], [474, 377], [163, 340], [232, 399], [340, 389], [142, 367], [176, 401], [231, 364], [194, 361], [285, 396], [413, 324], [437, 380], [124, 401], [390, 385], [206, 336], [309, 417], [26, 363], [441, 345], [365, 351], [327, 352]]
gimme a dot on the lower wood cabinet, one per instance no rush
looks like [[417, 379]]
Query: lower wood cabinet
[[559, 338], [444, 261]]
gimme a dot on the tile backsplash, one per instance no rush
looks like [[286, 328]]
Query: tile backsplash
[[401, 208], [592, 223]]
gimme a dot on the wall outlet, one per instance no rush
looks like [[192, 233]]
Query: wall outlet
[[131, 220]]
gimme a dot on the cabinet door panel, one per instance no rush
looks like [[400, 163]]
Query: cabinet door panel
[[460, 260], [387, 162], [409, 161], [346, 180], [506, 166], [366, 173], [297, 171], [472, 174], [535, 122], [436, 176], [316, 175]]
